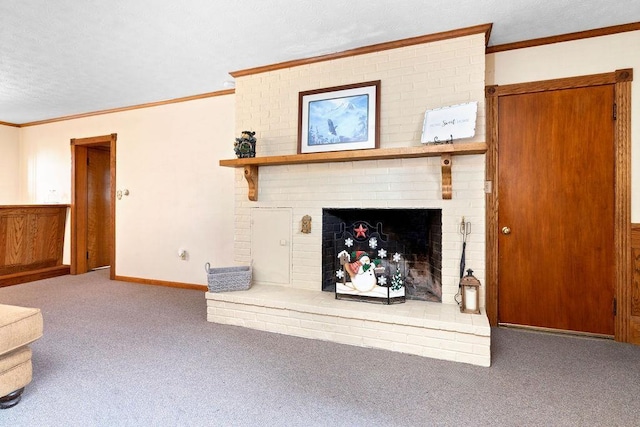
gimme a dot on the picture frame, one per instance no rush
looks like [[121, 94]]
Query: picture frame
[[339, 118]]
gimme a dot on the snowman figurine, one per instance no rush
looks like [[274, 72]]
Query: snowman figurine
[[362, 271]]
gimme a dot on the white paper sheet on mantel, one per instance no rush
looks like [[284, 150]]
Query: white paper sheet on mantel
[[448, 124]]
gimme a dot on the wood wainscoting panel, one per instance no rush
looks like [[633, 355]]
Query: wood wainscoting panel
[[31, 237], [635, 287]]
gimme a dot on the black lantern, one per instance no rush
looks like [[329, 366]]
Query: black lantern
[[470, 290]]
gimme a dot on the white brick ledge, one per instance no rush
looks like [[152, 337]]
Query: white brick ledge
[[425, 329]]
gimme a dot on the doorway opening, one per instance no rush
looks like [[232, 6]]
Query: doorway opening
[[93, 193]]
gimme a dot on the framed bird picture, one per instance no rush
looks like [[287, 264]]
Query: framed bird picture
[[339, 118]]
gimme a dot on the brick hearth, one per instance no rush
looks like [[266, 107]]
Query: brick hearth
[[422, 328]]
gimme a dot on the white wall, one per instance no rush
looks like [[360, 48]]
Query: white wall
[[167, 157], [9, 172], [578, 58]]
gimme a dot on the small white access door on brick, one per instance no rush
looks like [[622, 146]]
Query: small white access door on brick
[[271, 245]]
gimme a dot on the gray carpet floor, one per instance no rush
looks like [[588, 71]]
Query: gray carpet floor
[[122, 354]]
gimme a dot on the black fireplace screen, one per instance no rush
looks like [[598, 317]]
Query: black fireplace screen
[[382, 254]]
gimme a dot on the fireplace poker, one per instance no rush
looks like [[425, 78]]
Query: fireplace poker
[[465, 230]]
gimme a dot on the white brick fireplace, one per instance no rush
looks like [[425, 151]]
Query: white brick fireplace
[[414, 78]]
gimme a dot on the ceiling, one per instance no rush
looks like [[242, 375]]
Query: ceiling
[[66, 57]]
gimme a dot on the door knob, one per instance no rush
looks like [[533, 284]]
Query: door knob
[[506, 230]]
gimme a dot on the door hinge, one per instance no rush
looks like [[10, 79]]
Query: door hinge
[[615, 307], [615, 111]]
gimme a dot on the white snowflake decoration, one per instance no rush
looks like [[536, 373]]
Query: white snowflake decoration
[[397, 257], [382, 253], [339, 274], [349, 242], [382, 280], [373, 243]]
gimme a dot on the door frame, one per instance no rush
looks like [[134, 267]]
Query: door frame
[[621, 79], [79, 225]]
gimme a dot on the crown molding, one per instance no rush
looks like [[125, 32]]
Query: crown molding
[[15, 125], [484, 28], [616, 29], [132, 107]]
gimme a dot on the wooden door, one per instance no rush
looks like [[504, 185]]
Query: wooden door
[[98, 207], [556, 200]]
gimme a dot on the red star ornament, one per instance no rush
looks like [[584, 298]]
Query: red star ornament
[[360, 231]]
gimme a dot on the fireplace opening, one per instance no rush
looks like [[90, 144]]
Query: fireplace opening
[[405, 243]]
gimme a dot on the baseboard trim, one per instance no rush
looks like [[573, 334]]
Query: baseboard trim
[[164, 283], [33, 275]]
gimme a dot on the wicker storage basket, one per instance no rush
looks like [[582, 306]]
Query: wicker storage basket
[[228, 278]]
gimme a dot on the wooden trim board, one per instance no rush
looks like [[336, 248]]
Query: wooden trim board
[[154, 282], [429, 38], [616, 29], [33, 275]]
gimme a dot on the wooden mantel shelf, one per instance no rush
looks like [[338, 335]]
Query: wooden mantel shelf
[[445, 151]]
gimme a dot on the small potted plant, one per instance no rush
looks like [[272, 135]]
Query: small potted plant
[[245, 146]]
